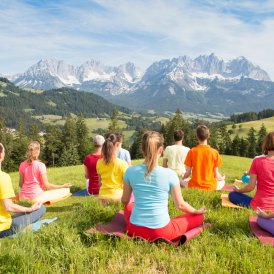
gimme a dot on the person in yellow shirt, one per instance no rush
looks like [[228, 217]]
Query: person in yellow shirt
[[9, 225], [111, 170]]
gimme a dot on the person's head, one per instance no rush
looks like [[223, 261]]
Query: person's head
[[268, 144], [98, 141], [33, 151], [2, 153], [152, 148], [110, 147], [178, 135], [202, 133], [120, 138]]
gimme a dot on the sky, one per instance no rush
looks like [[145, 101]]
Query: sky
[[140, 31]]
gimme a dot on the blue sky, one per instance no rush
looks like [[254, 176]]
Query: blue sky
[[141, 31]]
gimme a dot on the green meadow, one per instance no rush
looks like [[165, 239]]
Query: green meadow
[[64, 247]]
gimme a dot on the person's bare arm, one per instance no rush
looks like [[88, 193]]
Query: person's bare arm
[[183, 205], [187, 173], [218, 176], [12, 207], [21, 179], [165, 162], [52, 186], [127, 191], [263, 214], [251, 185]]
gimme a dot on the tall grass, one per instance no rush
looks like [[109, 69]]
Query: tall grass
[[64, 247]]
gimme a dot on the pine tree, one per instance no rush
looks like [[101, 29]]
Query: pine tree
[[113, 125], [251, 151], [235, 146], [34, 133], [69, 156], [243, 147], [135, 149], [53, 145], [84, 144], [260, 138]]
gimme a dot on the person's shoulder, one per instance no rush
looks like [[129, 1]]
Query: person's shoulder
[[186, 148]]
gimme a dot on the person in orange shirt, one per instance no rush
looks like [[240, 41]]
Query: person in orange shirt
[[202, 163]]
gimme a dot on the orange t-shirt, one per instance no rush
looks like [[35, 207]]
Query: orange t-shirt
[[203, 159]]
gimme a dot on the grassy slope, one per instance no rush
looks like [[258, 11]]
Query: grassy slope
[[62, 247], [242, 132]]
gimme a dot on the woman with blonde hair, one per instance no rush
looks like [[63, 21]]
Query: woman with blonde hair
[[33, 178], [25, 216], [111, 170], [151, 184]]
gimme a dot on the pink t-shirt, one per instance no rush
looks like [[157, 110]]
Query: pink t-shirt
[[32, 185], [263, 167]]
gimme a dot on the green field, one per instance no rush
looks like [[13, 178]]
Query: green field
[[63, 247], [242, 132]]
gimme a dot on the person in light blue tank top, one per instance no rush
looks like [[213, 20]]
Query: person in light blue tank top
[[151, 185]]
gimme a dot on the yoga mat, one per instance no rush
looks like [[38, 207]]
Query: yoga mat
[[82, 192], [263, 236], [227, 203], [51, 202], [117, 227]]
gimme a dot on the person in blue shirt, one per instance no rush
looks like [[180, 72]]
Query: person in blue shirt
[[122, 153], [151, 185]]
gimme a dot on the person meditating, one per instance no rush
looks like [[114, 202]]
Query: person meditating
[[151, 185], [175, 155], [90, 166], [26, 215], [202, 162], [111, 171], [265, 220], [262, 173], [33, 179]]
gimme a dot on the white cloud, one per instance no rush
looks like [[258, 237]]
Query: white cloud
[[139, 31]]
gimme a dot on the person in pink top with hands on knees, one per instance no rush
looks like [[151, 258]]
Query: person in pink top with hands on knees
[[33, 178], [25, 216], [262, 172]]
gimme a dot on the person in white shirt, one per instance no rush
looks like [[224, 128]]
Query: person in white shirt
[[175, 155]]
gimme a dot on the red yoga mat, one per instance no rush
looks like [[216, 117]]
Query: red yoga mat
[[117, 227], [264, 236]]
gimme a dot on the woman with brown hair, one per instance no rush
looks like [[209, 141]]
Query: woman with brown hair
[[111, 170], [33, 178], [151, 184], [262, 172]]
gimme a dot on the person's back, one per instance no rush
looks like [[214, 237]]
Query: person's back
[[203, 159], [124, 154], [32, 185], [176, 155], [150, 194], [263, 167]]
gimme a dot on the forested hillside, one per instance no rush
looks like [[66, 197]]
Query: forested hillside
[[18, 103]]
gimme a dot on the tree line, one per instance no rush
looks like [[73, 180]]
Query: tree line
[[251, 116]]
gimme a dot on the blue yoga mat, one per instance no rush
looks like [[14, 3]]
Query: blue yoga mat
[[82, 192]]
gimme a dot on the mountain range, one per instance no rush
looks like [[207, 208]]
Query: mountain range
[[204, 84]]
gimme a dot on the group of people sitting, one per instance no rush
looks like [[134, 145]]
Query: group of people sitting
[[144, 188]]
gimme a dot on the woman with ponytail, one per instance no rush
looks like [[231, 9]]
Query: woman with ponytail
[[33, 178], [111, 170], [151, 184]]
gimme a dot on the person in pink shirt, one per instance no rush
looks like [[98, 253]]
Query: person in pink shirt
[[33, 178], [262, 172], [90, 166]]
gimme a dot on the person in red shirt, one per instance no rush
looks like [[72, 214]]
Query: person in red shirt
[[90, 166], [262, 172], [202, 162]]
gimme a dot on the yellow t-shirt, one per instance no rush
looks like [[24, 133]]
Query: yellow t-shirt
[[6, 192], [111, 176]]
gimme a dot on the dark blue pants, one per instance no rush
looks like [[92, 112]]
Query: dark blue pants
[[240, 199], [22, 220]]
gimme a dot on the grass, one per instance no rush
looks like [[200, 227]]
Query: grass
[[63, 247], [243, 131]]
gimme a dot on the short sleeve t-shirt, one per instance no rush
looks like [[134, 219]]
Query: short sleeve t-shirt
[[176, 156], [150, 195], [32, 185], [6, 192], [263, 167], [203, 160], [90, 162], [124, 154], [111, 178]]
